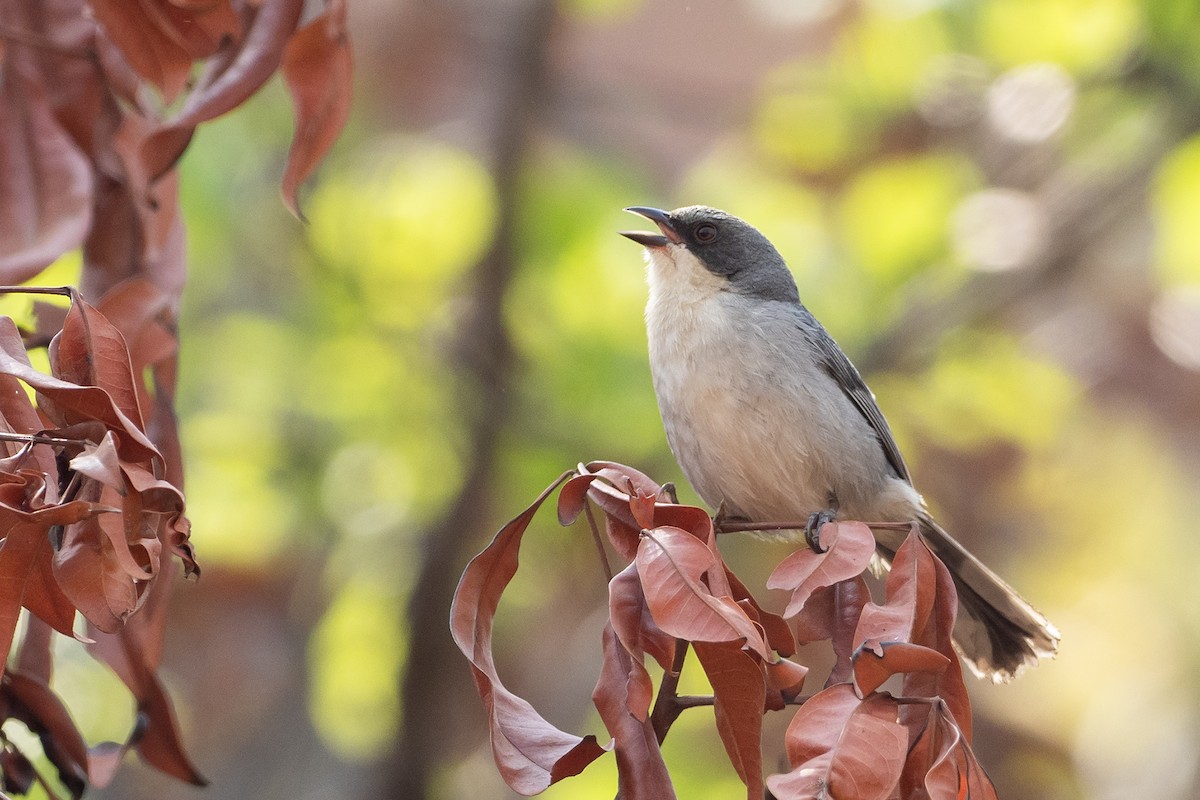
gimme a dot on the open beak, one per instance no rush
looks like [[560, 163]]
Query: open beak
[[660, 218]]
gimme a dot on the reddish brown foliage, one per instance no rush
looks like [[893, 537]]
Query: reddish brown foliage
[[848, 740], [91, 474]]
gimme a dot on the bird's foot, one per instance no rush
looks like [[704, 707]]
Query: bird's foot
[[812, 530]]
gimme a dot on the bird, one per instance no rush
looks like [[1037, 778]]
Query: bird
[[770, 421]]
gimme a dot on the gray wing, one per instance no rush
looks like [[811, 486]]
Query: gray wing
[[835, 362]]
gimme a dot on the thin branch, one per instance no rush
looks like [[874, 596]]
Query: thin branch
[[62, 291], [599, 542], [739, 526], [684, 701], [37, 438], [667, 706]]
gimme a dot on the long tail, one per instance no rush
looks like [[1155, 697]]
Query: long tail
[[998, 633]]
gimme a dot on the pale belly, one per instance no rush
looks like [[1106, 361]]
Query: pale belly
[[762, 430]]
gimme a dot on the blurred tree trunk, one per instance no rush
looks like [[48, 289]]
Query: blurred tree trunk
[[436, 689]]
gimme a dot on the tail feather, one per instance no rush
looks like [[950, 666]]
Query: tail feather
[[997, 633]]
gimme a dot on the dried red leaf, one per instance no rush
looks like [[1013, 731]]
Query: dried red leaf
[[45, 181], [942, 763], [572, 498], [90, 351], [642, 508], [318, 68], [140, 310], [19, 773], [641, 772], [849, 547], [840, 746], [92, 578], [101, 463], [636, 630], [256, 56], [910, 590], [948, 684], [612, 500], [134, 653], [160, 39], [619, 488], [692, 519], [779, 633], [739, 702], [25, 551], [34, 657], [625, 477], [673, 565], [36, 704], [43, 596], [19, 553], [530, 753], [875, 664], [785, 679], [72, 403]]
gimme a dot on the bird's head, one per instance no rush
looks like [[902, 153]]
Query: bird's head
[[710, 250]]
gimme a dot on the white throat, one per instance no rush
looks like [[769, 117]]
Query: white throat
[[673, 272]]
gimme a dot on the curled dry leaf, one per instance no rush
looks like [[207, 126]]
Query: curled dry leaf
[[530, 752], [92, 571], [905, 634], [849, 547], [840, 746], [572, 498], [25, 555], [739, 698], [948, 684], [637, 632], [617, 490], [90, 351], [941, 763], [642, 773], [101, 463], [785, 678], [68, 403], [35, 704], [45, 181], [160, 40], [848, 740], [875, 664], [18, 770], [911, 587], [674, 565], [318, 67], [255, 57], [779, 634]]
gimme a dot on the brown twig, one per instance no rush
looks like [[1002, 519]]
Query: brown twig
[[667, 706], [599, 542], [62, 291], [37, 438], [739, 526]]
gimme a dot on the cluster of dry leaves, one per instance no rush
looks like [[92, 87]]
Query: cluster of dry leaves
[[99, 99], [850, 739]]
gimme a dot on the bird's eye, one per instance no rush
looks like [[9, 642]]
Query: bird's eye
[[706, 233]]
